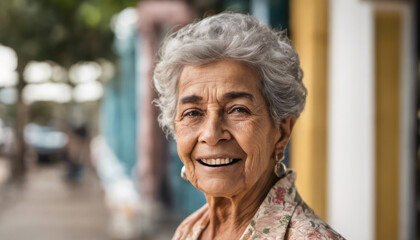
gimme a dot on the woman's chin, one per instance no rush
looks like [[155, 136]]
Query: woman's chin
[[220, 187]]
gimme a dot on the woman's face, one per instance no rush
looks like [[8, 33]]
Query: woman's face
[[225, 136]]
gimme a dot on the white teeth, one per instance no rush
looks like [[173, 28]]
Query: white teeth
[[217, 161]]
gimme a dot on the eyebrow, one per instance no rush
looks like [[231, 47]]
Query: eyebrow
[[190, 99], [234, 95]]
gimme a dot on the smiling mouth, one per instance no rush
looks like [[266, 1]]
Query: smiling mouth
[[218, 162]]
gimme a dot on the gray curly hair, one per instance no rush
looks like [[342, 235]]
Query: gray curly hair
[[231, 36]]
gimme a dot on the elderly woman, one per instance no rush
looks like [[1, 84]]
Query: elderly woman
[[230, 90]]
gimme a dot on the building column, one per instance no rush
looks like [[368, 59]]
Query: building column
[[395, 120], [351, 136], [154, 18], [387, 57]]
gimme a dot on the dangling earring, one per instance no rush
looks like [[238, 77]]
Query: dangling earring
[[280, 169], [184, 174]]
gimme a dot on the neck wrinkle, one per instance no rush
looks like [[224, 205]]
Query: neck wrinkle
[[233, 214]]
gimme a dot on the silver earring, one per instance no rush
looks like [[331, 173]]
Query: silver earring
[[184, 174], [280, 169]]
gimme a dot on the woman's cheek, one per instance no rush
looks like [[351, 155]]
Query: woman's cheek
[[185, 142], [258, 156]]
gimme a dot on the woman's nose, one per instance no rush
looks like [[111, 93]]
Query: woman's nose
[[213, 132]]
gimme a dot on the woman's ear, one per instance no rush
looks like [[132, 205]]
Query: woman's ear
[[285, 127]]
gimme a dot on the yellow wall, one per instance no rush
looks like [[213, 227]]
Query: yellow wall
[[309, 33]]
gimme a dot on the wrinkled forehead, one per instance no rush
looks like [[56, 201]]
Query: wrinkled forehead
[[221, 73]]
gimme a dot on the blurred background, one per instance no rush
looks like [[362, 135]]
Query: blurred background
[[82, 156]]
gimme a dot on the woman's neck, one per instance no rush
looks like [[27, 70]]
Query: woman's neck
[[229, 216]]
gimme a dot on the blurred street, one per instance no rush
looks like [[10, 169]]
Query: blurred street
[[47, 207]]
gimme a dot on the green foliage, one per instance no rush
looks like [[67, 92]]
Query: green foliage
[[41, 112], [65, 31]]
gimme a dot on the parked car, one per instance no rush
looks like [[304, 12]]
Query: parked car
[[48, 142]]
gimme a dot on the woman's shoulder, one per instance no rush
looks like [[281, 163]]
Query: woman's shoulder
[[305, 224], [191, 227], [285, 215]]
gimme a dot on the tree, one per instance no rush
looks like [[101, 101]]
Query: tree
[[64, 31]]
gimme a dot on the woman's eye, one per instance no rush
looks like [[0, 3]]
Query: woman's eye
[[193, 113], [239, 110]]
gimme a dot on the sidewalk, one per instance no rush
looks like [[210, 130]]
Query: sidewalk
[[47, 207]]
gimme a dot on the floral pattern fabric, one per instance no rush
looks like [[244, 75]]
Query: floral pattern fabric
[[282, 215]]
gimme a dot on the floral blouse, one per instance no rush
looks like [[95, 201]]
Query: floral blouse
[[282, 215]]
